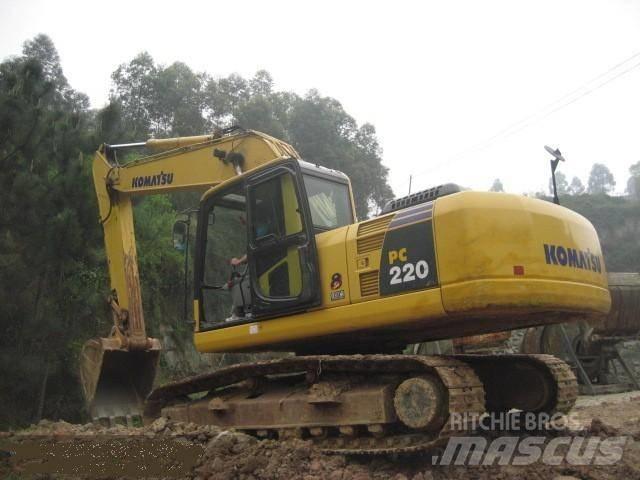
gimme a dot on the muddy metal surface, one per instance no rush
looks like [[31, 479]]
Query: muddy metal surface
[[174, 450]]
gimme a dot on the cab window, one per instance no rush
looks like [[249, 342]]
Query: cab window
[[276, 222], [329, 203], [226, 237]]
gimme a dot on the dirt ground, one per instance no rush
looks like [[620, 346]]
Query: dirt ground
[[174, 450]]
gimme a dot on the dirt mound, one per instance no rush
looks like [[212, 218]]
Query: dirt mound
[[199, 434], [230, 456], [237, 456], [215, 454]]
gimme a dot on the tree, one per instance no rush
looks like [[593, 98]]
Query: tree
[[633, 184], [53, 275], [172, 101], [176, 100], [42, 50], [51, 272], [324, 133], [222, 98], [133, 90], [155, 100], [617, 221], [561, 184], [261, 83], [576, 187], [161, 270], [497, 186], [601, 179], [258, 112]]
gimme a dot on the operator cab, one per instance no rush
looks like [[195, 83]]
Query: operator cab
[[267, 220]]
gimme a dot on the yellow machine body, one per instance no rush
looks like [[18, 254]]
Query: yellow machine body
[[496, 257]]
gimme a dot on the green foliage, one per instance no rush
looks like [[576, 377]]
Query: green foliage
[[561, 184], [633, 184], [601, 180], [576, 187], [133, 86], [617, 221], [49, 238], [161, 267], [174, 101]]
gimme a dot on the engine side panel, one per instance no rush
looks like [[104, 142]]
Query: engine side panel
[[498, 251]]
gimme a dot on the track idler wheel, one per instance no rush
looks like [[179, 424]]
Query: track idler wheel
[[420, 403]]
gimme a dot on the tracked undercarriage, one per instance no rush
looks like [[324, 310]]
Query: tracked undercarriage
[[368, 404]]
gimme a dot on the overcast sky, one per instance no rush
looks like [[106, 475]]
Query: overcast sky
[[439, 80]]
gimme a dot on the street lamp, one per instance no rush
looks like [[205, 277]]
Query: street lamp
[[557, 157]]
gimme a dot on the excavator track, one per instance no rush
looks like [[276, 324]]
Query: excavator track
[[464, 394], [566, 381], [514, 378], [463, 380]]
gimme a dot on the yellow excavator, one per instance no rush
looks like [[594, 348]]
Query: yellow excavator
[[345, 297]]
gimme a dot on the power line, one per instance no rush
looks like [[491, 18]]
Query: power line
[[624, 72], [541, 114], [568, 95]]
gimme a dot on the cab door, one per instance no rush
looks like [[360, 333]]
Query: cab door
[[281, 250]]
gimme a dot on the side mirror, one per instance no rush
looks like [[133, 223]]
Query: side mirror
[[180, 235]]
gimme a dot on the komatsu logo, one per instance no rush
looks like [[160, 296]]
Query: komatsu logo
[[152, 180], [571, 257]]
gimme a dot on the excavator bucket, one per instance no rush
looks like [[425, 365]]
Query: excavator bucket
[[115, 381]]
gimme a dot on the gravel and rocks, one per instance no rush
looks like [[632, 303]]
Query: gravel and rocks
[[187, 450]]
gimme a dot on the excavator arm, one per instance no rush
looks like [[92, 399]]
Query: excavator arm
[[117, 372]]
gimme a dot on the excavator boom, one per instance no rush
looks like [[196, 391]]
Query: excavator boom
[[117, 371]]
